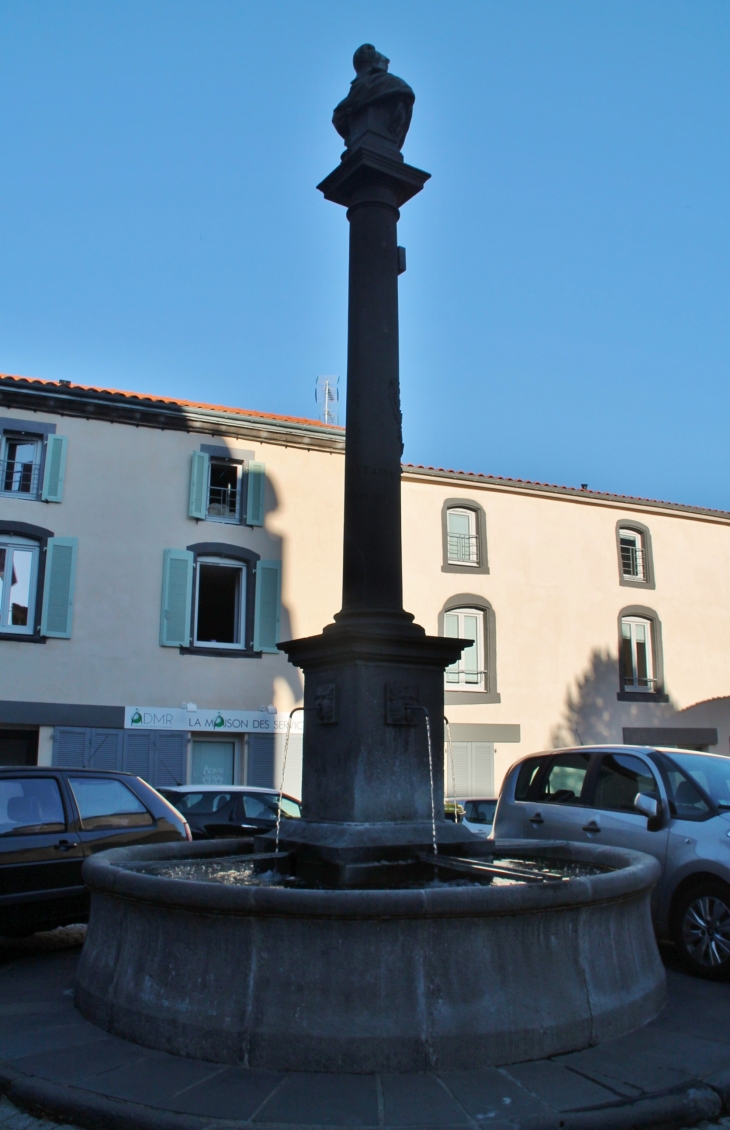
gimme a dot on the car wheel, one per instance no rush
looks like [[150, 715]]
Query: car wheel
[[701, 930]]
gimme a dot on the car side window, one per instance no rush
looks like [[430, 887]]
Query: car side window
[[480, 811], [565, 779], [262, 807], [290, 808], [527, 777], [685, 799], [620, 778], [30, 806], [104, 802]]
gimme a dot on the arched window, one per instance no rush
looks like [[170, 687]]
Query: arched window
[[635, 561], [473, 678], [641, 665], [464, 531]]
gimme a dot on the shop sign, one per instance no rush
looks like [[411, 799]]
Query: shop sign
[[210, 721]]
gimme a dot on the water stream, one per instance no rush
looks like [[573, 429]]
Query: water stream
[[283, 772]]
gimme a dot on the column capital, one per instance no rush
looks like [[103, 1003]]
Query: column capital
[[364, 168]]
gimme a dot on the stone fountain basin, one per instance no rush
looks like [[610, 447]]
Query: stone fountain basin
[[370, 980]]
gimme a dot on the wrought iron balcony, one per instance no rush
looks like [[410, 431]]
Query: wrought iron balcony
[[463, 549], [19, 478], [223, 502], [632, 562]]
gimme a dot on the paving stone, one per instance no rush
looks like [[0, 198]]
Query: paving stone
[[558, 1087], [696, 1008], [153, 1079], [323, 1100], [72, 1065], [234, 1093], [651, 1059], [490, 1094], [420, 1100], [47, 1038]]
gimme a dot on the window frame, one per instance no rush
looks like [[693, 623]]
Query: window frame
[[235, 555], [23, 545], [239, 466], [463, 696], [481, 672], [9, 436], [240, 613], [643, 532], [657, 694], [480, 529], [39, 536], [33, 430]]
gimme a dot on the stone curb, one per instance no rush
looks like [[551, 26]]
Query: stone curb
[[92, 1111]]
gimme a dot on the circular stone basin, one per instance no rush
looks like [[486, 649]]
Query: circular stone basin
[[446, 974]]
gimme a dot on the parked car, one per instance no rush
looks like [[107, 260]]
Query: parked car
[[217, 811], [479, 814], [673, 804], [51, 820]]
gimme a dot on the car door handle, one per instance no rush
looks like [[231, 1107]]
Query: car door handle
[[537, 819], [592, 826], [64, 845]]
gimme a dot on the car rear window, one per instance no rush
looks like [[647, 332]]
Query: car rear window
[[104, 802], [527, 776], [28, 806], [198, 804]]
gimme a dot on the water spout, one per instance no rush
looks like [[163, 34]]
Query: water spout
[[430, 773], [283, 772]]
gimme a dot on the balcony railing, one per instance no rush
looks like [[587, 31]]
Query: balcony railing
[[632, 562], [19, 478], [223, 502], [464, 549]]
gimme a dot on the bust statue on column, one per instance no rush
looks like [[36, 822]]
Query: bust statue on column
[[377, 112]]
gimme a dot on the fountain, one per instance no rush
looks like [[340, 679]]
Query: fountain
[[373, 934]]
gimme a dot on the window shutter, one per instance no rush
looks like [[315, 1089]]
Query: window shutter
[[255, 494], [69, 747], [58, 587], [483, 769], [169, 762], [105, 749], [460, 753], [268, 599], [199, 475], [260, 769], [136, 755], [177, 592], [55, 469]]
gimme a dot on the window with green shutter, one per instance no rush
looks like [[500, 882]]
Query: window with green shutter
[[267, 609], [177, 590], [58, 587], [54, 472], [199, 475]]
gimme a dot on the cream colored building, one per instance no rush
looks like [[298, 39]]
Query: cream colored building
[[154, 550]]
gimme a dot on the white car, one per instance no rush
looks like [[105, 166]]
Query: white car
[[479, 814]]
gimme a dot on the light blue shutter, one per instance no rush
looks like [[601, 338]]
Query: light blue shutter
[[255, 494], [199, 473], [268, 598], [260, 761], [55, 469], [177, 592], [136, 753], [169, 762], [105, 749], [58, 587], [69, 747]]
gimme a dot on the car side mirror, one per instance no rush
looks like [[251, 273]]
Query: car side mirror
[[650, 807]]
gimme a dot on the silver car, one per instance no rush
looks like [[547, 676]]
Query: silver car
[[673, 804]]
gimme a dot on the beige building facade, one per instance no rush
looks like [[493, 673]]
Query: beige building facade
[[154, 551]]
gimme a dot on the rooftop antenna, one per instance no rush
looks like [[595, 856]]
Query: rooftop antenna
[[327, 395]]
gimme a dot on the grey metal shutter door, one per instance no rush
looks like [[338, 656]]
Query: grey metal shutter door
[[105, 749], [136, 755], [170, 749], [483, 769], [69, 747], [261, 761]]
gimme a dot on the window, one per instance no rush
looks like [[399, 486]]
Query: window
[[224, 491], [637, 660], [468, 673], [463, 540], [620, 778], [198, 804], [18, 581], [565, 779], [30, 806], [220, 600], [104, 802], [711, 773], [20, 464], [527, 777], [631, 545], [213, 763]]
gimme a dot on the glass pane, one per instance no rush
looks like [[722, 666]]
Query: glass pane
[[451, 626], [526, 777], [261, 806], [459, 523], [642, 660], [712, 772], [22, 562], [620, 778], [20, 466], [290, 808], [104, 802], [223, 493], [565, 779], [204, 804], [28, 806], [470, 655], [3, 554], [213, 763], [625, 630], [219, 603], [627, 657]]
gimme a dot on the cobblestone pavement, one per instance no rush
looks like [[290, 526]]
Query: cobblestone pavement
[[697, 1018]]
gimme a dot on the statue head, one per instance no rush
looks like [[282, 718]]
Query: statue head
[[366, 60]]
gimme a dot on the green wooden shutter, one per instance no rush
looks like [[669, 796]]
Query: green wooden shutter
[[177, 593], [268, 599], [55, 469], [199, 474], [58, 587], [255, 494]]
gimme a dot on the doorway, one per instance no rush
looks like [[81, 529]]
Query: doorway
[[18, 747]]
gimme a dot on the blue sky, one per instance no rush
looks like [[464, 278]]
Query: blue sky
[[564, 316]]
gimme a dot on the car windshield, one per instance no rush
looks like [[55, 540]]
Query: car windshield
[[710, 771], [198, 804]]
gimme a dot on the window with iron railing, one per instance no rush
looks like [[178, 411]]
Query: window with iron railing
[[20, 464], [637, 654], [462, 537], [468, 673], [224, 491], [633, 557]]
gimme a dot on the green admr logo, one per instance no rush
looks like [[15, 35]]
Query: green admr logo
[[136, 717]]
